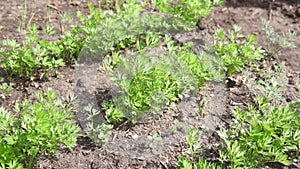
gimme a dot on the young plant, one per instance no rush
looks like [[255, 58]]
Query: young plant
[[266, 132], [190, 10], [145, 83], [6, 88], [194, 148], [73, 41], [49, 30], [39, 129], [113, 114], [235, 52], [275, 41], [271, 87], [35, 54], [130, 26], [146, 87], [198, 65], [99, 133], [24, 60], [149, 40], [148, 83]]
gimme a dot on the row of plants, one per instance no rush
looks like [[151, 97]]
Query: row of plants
[[39, 128], [28, 57], [148, 82]]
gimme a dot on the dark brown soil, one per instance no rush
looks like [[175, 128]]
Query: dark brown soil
[[129, 147]]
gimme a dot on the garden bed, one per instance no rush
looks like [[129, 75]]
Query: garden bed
[[156, 141]]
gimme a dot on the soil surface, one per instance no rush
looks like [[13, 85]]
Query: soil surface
[[139, 146]]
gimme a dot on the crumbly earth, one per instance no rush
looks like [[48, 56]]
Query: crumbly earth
[[138, 146]]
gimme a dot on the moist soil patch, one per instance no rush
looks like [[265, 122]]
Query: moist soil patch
[[129, 146]]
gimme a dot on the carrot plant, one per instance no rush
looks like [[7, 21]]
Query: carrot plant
[[6, 88], [277, 41], [190, 10], [148, 83], [235, 51], [198, 66], [38, 129], [33, 54], [98, 133], [194, 147], [146, 74]]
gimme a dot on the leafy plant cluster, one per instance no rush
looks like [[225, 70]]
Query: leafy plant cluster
[[6, 88], [261, 135], [267, 132], [264, 133], [140, 77], [147, 83], [201, 67], [236, 51], [155, 85], [189, 161], [257, 136], [127, 28], [271, 88], [36, 56], [38, 128], [98, 133], [276, 41], [191, 10]]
